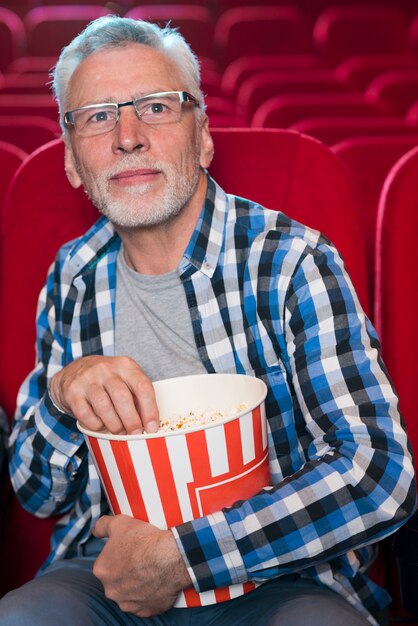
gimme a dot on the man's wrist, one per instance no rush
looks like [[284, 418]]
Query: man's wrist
[[171, 555]]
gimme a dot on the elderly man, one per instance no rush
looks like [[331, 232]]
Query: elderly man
[[179, 278]]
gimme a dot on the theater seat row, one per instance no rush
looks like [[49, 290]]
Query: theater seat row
[[337, 33]]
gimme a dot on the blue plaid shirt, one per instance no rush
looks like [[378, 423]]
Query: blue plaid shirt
[[270, 298]]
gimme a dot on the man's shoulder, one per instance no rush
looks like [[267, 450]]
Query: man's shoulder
[[259, 224]]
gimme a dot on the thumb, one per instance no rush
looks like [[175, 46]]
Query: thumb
[[103, 526]]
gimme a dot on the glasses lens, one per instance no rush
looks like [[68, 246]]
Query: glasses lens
[[95, 120], [159, 109]]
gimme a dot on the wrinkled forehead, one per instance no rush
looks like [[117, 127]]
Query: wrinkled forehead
[[118, 74]]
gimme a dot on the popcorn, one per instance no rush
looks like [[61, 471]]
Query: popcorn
[[199, 417]]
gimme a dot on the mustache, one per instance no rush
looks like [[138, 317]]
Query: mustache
[[133, 161]]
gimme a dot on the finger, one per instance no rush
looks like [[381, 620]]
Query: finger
[[124, 406], [103, 407], [103, 526], [146, 403], [83, 412]]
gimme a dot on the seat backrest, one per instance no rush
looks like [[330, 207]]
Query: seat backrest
[[296, 174], [343, 31], [396, 299], [261, 30], [12, 37], [397, 88], [369, 160], [42, 212], [264, 85], [11, 157], [28, 104], [244, 67], [360, 70], [332, 130], [26, 83], [28, 132], [283, 111], [194, 22], [50, 28]]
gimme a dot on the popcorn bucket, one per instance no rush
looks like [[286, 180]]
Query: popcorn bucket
[[174, 476]]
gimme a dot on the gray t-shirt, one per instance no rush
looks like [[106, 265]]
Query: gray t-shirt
[[153, 324]]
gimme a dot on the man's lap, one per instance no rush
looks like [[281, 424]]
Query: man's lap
[[68, 593]]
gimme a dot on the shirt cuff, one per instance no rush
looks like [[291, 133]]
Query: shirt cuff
[[210, 552], [60, 429]]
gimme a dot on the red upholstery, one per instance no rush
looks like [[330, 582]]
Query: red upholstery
[[343, 31], [332, 130], [26, 83], [360, 70], [10, 158], [29, 104], [261, 30], [397, 88], [28, 132], [283, 111], [369, 160], [195, 23], [295, 174], [49, 29], [42, 212], [396, 301], [244, 67], [264, 85], [12, 37], [27, 65]]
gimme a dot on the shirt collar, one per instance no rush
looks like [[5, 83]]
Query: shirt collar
[[206, 242]]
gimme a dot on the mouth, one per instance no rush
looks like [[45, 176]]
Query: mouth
[[135, 176]]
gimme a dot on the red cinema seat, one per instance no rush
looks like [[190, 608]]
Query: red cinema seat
[[283, 111], [244, 67], [264, 85], [26, 83], [42, 212], [261, 30], [333, 130], [32, 64], [11, 157], [344, 31], [28, 132], [42, 105], [12, 37], [397, 89], [359, 71], [298, 175], [50, 28], [194, 22], [369, 160], [396, 298]]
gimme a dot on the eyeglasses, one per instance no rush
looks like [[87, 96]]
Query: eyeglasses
[[153, 109]]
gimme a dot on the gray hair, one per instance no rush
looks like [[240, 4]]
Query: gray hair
[[112, 31]]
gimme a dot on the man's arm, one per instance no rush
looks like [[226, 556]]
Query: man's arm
[[357, 483]]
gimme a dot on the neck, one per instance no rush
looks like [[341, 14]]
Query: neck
[[158, 249]]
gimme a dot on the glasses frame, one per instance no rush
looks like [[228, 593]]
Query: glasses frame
[[184, 96]]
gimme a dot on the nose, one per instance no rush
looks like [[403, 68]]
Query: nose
[[130, 133]]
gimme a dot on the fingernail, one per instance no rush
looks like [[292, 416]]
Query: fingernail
[[152, 427]]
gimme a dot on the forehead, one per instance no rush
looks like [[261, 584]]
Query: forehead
[[117, 74]]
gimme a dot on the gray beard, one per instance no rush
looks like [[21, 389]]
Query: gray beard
[[133, 212]]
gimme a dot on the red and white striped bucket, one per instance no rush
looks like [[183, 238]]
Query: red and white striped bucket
[[173, 477]]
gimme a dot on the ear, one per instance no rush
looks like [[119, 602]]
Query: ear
[[70, 168], [206, 145]]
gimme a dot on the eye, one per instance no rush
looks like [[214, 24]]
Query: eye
[[100, 116], [157, 107]]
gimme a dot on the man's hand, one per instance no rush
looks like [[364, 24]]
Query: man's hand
[[140, 567], [111, 393]]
